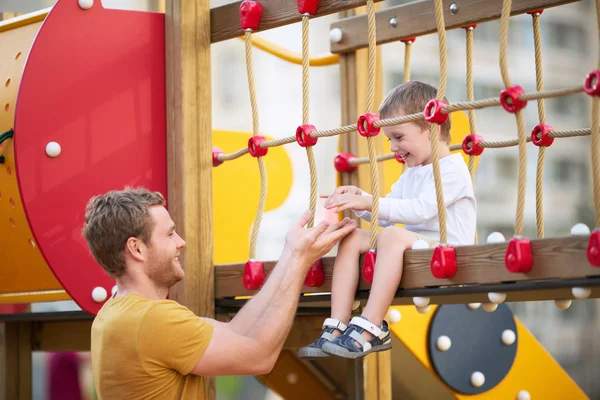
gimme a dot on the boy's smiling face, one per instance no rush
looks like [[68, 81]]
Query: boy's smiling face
[[410, 142]]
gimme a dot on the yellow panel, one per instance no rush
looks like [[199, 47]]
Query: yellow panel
[[23, 267], [533, 367], [236, 189]]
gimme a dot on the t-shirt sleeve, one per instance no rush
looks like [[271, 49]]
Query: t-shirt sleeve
[[172, 336]]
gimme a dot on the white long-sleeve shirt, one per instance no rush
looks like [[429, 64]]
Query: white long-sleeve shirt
[[413, 202]]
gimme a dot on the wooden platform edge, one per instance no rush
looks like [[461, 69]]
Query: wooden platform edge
[[417, 19], [556, 261]]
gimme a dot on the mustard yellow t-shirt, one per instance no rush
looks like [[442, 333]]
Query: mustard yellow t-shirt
[[145, 349]]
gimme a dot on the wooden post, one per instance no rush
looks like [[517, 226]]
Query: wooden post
[[15, 377], [189, 157]]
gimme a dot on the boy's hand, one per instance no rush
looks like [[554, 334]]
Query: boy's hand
[[342, 190], [341, 202]]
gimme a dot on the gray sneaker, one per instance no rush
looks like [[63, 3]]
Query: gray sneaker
[[313, 350]]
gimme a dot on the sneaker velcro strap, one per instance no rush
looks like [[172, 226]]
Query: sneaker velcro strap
[[366, 346], [366, 325], [334, 323]]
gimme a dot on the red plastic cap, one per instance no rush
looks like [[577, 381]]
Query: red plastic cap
[[409, 40], [542, 130], [470, 145], [342, 162], [433, 112], [254, 146], [443, 262], [365, 125], [540, 12], [590, 85], [509, 98], [315, 275], [308, 6], [369, 266], [250, 14], [518, 257], [303, 135], [254, 275], [470, 26], [399, 159], [593, 250], [215, 153]]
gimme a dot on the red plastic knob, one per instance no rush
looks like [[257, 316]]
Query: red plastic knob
[[518, 257], [593, 250], [399, 159], [303, 135], [536, 12], [308, 6], [215, 153], [409, 40], [590, 85], [443, 262], [544, 130], [254, 146], [470, 26], [470, 144], [369, 265], [315, 275], [509, 98], [365, 125], [433, 112], [254, 275], [342, 162], [250, 14]]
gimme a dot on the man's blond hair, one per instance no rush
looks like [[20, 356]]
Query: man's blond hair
[[112, 218], [411, 98]]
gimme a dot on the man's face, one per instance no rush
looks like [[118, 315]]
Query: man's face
[[162, 264]]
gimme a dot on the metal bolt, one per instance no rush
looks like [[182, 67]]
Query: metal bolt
[[453, 8], [393, 22]]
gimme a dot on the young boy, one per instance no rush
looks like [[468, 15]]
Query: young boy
[[413, 203]]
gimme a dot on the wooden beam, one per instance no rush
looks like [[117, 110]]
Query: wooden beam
[[189, 144], [556, 259], [62, 335], [417, 19], [225, 20]]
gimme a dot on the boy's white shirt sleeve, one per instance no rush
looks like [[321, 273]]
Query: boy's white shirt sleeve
[[419, 210], [366, 215]]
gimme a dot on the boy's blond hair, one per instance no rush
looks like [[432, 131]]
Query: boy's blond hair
[[411, 98]]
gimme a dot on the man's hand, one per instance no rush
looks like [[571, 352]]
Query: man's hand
[[342, 190], [341, 202], [308, 245]]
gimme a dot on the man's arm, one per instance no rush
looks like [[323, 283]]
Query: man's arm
[[251, 342]]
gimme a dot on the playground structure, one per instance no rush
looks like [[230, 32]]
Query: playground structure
[[119, 98]]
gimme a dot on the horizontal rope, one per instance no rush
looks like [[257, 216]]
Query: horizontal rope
[[460, 106], [287, 55]]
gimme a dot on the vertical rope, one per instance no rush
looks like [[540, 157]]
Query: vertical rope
[[441, 29], [407, 52], [471, 97], [372, 63], [595, 140], [504, 21], [312, 165], [539, 82], [255, 132]]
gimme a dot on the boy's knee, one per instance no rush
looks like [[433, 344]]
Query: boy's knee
[[396, 235]]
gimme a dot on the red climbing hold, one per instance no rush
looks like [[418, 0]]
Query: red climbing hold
[[593, 250], [215, 153], [303, 135], [368, 270], [443, 262], [342, 162], [308, 6], [369, 129], [470, 144], [590, 85], [254, 146], [254, 275], [250, 14], [409, 40], [518, 257], [540, 11], [544, 140], [315, 275], [509, 98], [399, 159], [433, 112]]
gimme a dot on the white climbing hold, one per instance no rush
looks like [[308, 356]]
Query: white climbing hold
[[489, 307], [495, 237], [443, 343], [420, 244], [523, 395], [335, 35], [86, 4], [423, 310], [581, 292], [474, 306], [114, 290], [53, 149], [497, 298], [421, 301], [508, 337], [580, 229], [563, 304], [99, 294], [477, 379], [394, 316]]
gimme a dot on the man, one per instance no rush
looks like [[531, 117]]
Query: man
[[144, 346]]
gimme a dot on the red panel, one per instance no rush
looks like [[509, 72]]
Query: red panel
[[12, 308], [95, 83]]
